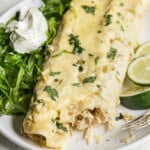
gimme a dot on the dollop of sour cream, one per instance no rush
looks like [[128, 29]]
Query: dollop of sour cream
[[30, 32]]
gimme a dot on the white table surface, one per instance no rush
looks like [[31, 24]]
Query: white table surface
[[6, 144]]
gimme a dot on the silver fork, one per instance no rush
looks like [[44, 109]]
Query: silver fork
[[140, 122]]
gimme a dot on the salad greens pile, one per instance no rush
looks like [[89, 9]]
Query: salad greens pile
[[19, 72]]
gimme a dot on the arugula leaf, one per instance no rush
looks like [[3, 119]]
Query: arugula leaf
[[53, 10]]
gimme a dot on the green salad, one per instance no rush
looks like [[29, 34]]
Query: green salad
[[19, 72]]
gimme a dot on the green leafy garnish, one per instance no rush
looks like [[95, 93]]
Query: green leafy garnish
[[119, 117], [80, 68], [99, 31], [122, 28], [74, 40], [59, 125], [112, 53], [107, 20], [96, 60], [98, 86], [89, 9], [121, 4], [90, 79], [119, 14], [53, 10], [18, 75], [52, 92], [54, 73], [19, 72], [76, 84]]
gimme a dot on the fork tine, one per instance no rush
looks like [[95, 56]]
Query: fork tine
[[140, 117], [139, 122]]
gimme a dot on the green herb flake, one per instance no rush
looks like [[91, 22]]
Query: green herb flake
[[96, 60], [122, 28], [56, 80], [112, 53], [90, 55], [89, 9], [83, 61], [74, 40], [51, 92], [121, 4], [119, 117], [107, 19], [118, 72], [75, 65], [119, 14], [99, 31], [59, 125], [76, 84], [90, 79], [98, 86], [54, 73], [80, 68]]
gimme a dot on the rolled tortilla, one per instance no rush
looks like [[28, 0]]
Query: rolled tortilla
[[81, 81]]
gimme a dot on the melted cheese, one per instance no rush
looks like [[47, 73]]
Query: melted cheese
[[119, 35]]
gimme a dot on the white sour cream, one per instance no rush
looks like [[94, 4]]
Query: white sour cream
[[30, 32]]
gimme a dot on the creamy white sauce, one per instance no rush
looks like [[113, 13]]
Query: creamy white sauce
[[30, 32]]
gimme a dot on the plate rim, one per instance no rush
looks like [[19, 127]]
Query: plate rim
[[29, 146]]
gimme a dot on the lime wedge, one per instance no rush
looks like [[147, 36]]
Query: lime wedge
[[135, 96], [144, 49], [139, 70]]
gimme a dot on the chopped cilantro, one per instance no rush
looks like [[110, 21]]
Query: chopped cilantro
[[121, 4], [112, 53], [80, 68], [59, 125], [90, 55], [119, 14], [99, 31], [76, 84], [54, 73], [51, 92], [73, 40], [98, 86], [56, 80], [89, 9], [107, 19], [96, 60], [119, 117], [122, 28], [75, 65], [90, 79]]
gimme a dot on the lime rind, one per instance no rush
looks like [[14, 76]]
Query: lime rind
[[130, 88], [142, 50], [135, 96]]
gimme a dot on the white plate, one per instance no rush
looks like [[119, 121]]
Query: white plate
[[10, 126]]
